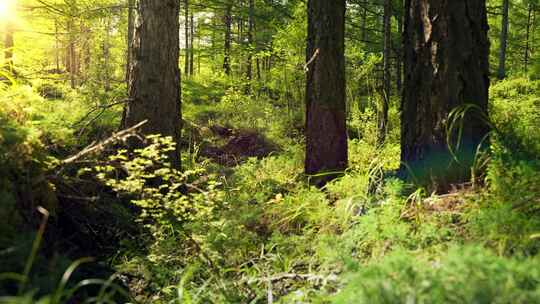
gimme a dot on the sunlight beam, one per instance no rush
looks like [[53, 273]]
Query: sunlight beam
[[7, 10]]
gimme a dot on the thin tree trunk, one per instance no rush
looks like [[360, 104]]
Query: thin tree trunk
[[249, 58], [399, 51], [57, 46], [154, 84], [186, 37], [130, 30], [71, 54], [446, 67], [191, 46], [106, 56], [227, 47], [364, 21], [501, 74], [527, 40], [387, 84], [326, 131]]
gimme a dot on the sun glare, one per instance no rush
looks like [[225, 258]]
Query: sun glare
[[7, 9]]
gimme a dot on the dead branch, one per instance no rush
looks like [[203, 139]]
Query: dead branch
[[119, 136]]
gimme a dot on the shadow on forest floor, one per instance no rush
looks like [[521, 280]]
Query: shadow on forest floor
[[238, 146]]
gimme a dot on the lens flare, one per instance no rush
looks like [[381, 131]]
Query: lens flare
[[7, 10]]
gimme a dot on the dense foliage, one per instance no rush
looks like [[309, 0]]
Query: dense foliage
[[241, 222]]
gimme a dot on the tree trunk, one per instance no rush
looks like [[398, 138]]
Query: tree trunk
[[528, 37], [326, 133], [387, 84], [249, 58], [154, 84], [106, 55], [398, 48], [130, 30], [364, 21], [186, 37], [501, 74], [191, 46], [72, 54], [228, 36], [446, 66]]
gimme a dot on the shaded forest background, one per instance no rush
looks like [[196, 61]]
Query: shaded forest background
[[249, 218]]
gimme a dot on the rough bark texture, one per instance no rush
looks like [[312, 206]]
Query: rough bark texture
[[446, 66], [501, 74], [326, 136], [154, 84]]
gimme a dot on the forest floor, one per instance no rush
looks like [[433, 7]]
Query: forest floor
[[241, 224]]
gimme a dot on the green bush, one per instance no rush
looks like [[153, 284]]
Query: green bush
[[463, 275]]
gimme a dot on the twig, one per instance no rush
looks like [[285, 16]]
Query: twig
[[292, 276], [306, 66], [99, 146]]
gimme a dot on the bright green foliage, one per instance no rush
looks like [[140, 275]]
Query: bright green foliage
[[251, 229], [462, 275], [166, 196]]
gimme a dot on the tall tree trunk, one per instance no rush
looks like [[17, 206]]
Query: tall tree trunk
[[186, 37], [106, 55], [364, 21], [398, 48], [72, 64], [130, 30], [228, 36], [387, 84], [528, 37], [446, 66], [326, 133], [249, 58], [56, 46], [501, 74], [154, 84], [191, 46]]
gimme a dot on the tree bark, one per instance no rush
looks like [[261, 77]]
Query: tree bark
[[154, 84], [501, 74], [446, 66], [326, 134]]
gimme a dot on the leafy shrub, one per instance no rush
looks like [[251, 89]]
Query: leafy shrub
[[463, 275], [165, 195]]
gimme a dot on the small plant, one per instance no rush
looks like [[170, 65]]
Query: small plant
[[165, 195]]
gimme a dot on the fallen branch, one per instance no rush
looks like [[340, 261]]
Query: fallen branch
[[119, 136], [295, 276]]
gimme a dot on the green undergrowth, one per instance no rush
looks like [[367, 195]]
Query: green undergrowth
[[366, 237], [256, 232]]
